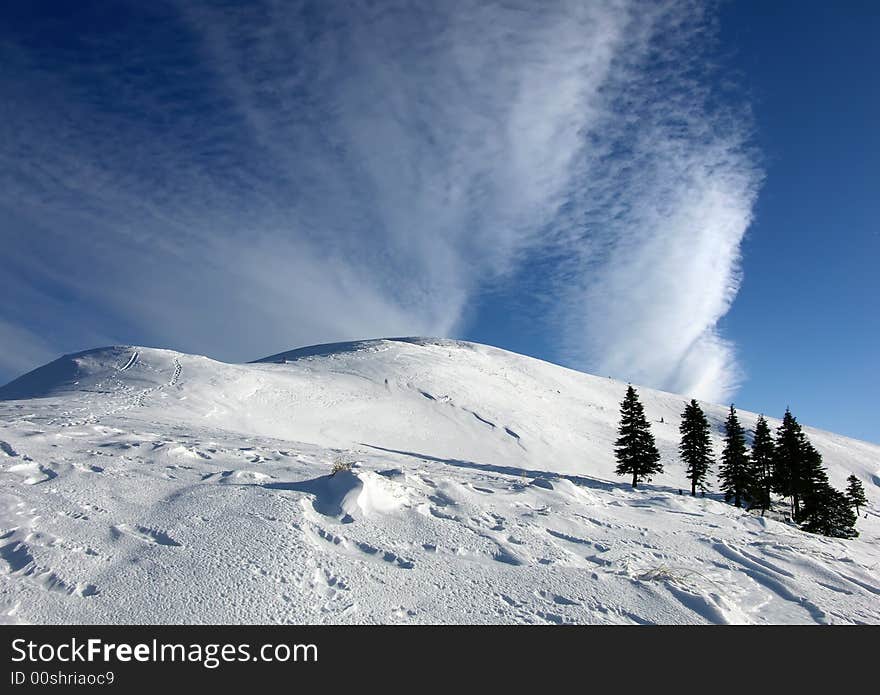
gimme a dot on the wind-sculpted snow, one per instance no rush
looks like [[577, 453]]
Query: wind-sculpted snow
[[148, 486]]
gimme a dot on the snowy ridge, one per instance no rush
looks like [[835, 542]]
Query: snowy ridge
[[145, 485]]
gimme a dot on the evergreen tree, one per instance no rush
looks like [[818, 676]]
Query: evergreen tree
[[635, 449], [762, 466], [855, 493], [825, 510], [696, 446], [734, 474], [814, 479], [788, 461], [828, 511], [798, 472]]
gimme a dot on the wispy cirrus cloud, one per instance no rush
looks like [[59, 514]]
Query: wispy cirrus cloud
[[670, 196], [238, 179]]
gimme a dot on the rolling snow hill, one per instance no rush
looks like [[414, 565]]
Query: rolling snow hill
[[140, 485]]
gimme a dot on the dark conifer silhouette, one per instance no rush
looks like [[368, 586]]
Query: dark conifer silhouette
[[800, 474], [635, 449], [788, 461], [814, 479], [828, 511], [695, 446], [762, 467], [734, 474], [855, 493]]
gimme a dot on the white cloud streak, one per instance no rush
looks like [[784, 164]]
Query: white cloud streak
[[363, 169]]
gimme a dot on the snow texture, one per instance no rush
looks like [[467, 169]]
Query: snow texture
[[140, 485]]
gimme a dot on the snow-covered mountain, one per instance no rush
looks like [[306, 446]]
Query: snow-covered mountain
[[149, 486]]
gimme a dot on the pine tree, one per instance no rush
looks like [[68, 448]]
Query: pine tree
[[762, 466], [635, 449], [816, 505], [855, 493], [788, 461], [734, 474], [797, 466], [696, 446], [828, 511], [814, 479]]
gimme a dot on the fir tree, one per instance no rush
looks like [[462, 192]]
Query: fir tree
[[855, 493], [797, 467], [635, 449], [734, 473], [825, 510], [696, 446], [814, 479], [788, 461], [762, 466], [828, 511]]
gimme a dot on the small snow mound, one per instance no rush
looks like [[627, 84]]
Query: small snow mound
[[380, 495], [32, 473], [247, 476]]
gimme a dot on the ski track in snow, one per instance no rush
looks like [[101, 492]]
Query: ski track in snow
[[482, 491], [131, 361]]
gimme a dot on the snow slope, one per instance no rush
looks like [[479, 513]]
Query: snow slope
[[148, 486]]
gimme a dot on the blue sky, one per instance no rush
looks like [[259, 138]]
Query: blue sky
[[676, 193], [806, 321]]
